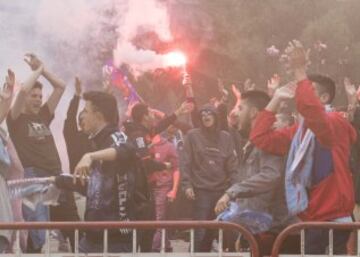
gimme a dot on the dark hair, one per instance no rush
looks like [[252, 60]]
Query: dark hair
[[256, 98], [138, 112], [105, 104], [327, 85], [37, 85], [287, 117]]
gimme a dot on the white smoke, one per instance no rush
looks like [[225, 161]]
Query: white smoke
[[70, 36], [143, 16]]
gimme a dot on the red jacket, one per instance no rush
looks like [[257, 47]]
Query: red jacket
[[332, 197]]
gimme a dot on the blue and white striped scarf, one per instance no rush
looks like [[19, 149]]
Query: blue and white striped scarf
[[299, 167]]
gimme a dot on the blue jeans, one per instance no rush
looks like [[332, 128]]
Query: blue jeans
[[317, 240], [41, 213], [204, 205]]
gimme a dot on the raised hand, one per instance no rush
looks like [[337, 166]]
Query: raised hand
[[286, 92], [186, 80], [350, 88], [8, 89], [78, 86], [185, 108], [249, 85], [296, 57], [33, 61], [236, 92], [223, 91], [273, 84]]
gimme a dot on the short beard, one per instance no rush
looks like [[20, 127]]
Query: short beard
[[245, 130]]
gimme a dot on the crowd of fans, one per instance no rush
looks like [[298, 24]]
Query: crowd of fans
[[281, 164]]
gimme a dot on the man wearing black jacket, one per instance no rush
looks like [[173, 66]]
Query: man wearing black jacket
[[107, 189]]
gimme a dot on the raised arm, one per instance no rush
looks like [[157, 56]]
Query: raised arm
[[6, 95], [58, 89], [308, 103], [70, 125], [19, 103], [263, 135], [167, 121]]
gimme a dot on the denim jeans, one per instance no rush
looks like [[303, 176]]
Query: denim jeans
[[204, 205], [317, 240], [41, 214]]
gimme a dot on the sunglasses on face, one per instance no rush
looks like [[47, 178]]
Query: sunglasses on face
[[206, 113]]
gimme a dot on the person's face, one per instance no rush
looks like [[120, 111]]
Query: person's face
[[33, 101], [171, 131], [81, 122], [149, 119], [207, 118], [233, 118], [245, 114], [89, 118]]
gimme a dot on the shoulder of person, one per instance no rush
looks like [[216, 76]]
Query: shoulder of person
[[266, 155], [194, 131], [338, 119], [224, 133]]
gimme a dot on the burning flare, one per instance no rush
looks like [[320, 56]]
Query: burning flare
[[175, 59]]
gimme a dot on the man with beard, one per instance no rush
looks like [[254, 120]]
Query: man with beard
[[260, 173], [210, 164]]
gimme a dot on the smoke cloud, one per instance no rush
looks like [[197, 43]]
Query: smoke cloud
[[75, 38]]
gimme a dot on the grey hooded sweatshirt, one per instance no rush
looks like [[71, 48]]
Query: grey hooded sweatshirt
[[210, 159]]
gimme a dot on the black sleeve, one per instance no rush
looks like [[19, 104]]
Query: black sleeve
[[222, 117], [125, 152], [195, 117], [163, 124], [152, 165], [70, 125], [46, 115], [66, 183]]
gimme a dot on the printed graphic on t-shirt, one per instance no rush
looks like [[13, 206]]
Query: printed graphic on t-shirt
[[119, 138], [38, 130], [140, 143]]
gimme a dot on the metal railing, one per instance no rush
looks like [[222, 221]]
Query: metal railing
[[134, 226], [302, 226]]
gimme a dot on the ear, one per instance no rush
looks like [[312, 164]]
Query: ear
[[324, 98], [253, 112]]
